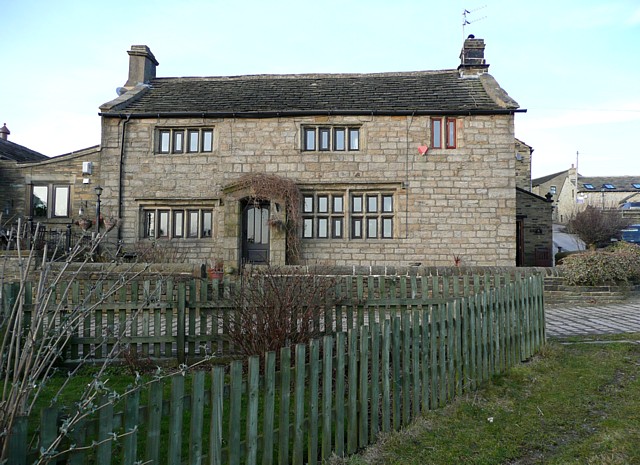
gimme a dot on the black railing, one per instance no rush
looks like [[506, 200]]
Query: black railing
[[29, 235]]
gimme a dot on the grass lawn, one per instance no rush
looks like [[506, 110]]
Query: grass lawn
[[577, 402]]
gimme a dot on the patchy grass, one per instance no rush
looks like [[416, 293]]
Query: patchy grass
[[574, 403]]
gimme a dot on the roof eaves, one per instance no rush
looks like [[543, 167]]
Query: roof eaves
[[120, 113]]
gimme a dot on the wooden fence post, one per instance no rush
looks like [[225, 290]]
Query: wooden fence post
[[180, 336], [18, 442]]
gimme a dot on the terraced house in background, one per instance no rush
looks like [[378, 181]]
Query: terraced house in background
[[572, 192], [392, 168]]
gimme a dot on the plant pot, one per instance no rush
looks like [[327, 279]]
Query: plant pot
[[215, 274], [85, 224]]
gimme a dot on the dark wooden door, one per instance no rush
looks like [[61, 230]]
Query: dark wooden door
[[255, 233], [519, 242]]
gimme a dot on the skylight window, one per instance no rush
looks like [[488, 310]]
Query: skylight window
[[609, 186], [636, 185], [588, 186]]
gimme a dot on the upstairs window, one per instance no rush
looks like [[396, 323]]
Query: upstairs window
[[336, 138], [444, 133], [181, 140]]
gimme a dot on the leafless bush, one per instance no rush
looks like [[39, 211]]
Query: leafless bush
[[277, 307], [153, 251], [135, 361], [595, 226]]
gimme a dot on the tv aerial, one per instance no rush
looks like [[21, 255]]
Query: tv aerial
[[465, 19]]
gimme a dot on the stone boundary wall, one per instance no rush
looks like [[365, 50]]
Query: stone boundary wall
[[558, 293]]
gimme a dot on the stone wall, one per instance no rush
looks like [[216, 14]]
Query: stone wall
[[448, 203], [535, 213], [523, 165], [556, 292], [12, 193]]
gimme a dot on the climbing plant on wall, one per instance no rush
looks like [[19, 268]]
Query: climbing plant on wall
[[279, 190]]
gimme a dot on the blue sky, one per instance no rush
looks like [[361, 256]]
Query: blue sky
[[573, 64]]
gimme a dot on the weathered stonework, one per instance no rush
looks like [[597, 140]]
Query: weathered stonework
[[535, 214], [459, 202]]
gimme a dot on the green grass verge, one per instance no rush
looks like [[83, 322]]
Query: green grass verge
[[574, 403]]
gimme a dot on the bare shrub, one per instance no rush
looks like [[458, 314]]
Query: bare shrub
[[135, 361], [152, 251], [278, 307], [597, 227]]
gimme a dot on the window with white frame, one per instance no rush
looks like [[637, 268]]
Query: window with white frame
[[50, 200], [184, 140], [330, 138], [177, 223], [342, 215]]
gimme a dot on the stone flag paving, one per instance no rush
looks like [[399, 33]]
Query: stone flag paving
[[582, 320]]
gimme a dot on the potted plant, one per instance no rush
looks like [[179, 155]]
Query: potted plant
[[84, 223], [216, 271], [108, 220]]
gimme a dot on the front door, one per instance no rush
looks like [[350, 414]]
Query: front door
[[519, 242], [255, 232]]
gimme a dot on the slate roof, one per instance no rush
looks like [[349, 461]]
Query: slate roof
[[380, 93], [16, 152], [620, 183], [547, 178]]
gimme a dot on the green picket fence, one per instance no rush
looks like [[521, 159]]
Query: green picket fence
[[307, 402], [164, 319]]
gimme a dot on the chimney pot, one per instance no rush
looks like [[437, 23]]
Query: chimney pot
[[142, 66], [4, 132]]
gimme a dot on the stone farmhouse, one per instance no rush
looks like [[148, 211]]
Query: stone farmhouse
[[334, 169]]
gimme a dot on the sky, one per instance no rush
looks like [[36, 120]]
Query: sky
[[574, 65]]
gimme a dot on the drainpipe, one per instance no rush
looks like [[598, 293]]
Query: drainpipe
[[120, 176]]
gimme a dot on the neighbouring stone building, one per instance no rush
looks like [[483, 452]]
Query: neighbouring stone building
[[336, 169], [56, 191], [13, 157], [572, 192]]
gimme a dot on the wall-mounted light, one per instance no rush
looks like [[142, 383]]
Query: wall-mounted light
[[83, 205]]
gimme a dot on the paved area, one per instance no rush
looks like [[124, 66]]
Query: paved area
[[578, 320]]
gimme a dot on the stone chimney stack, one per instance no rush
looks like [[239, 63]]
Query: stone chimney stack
[[142, 66], [472, 62], [4, 132]]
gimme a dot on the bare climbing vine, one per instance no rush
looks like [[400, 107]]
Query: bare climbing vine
[[284, 191]]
